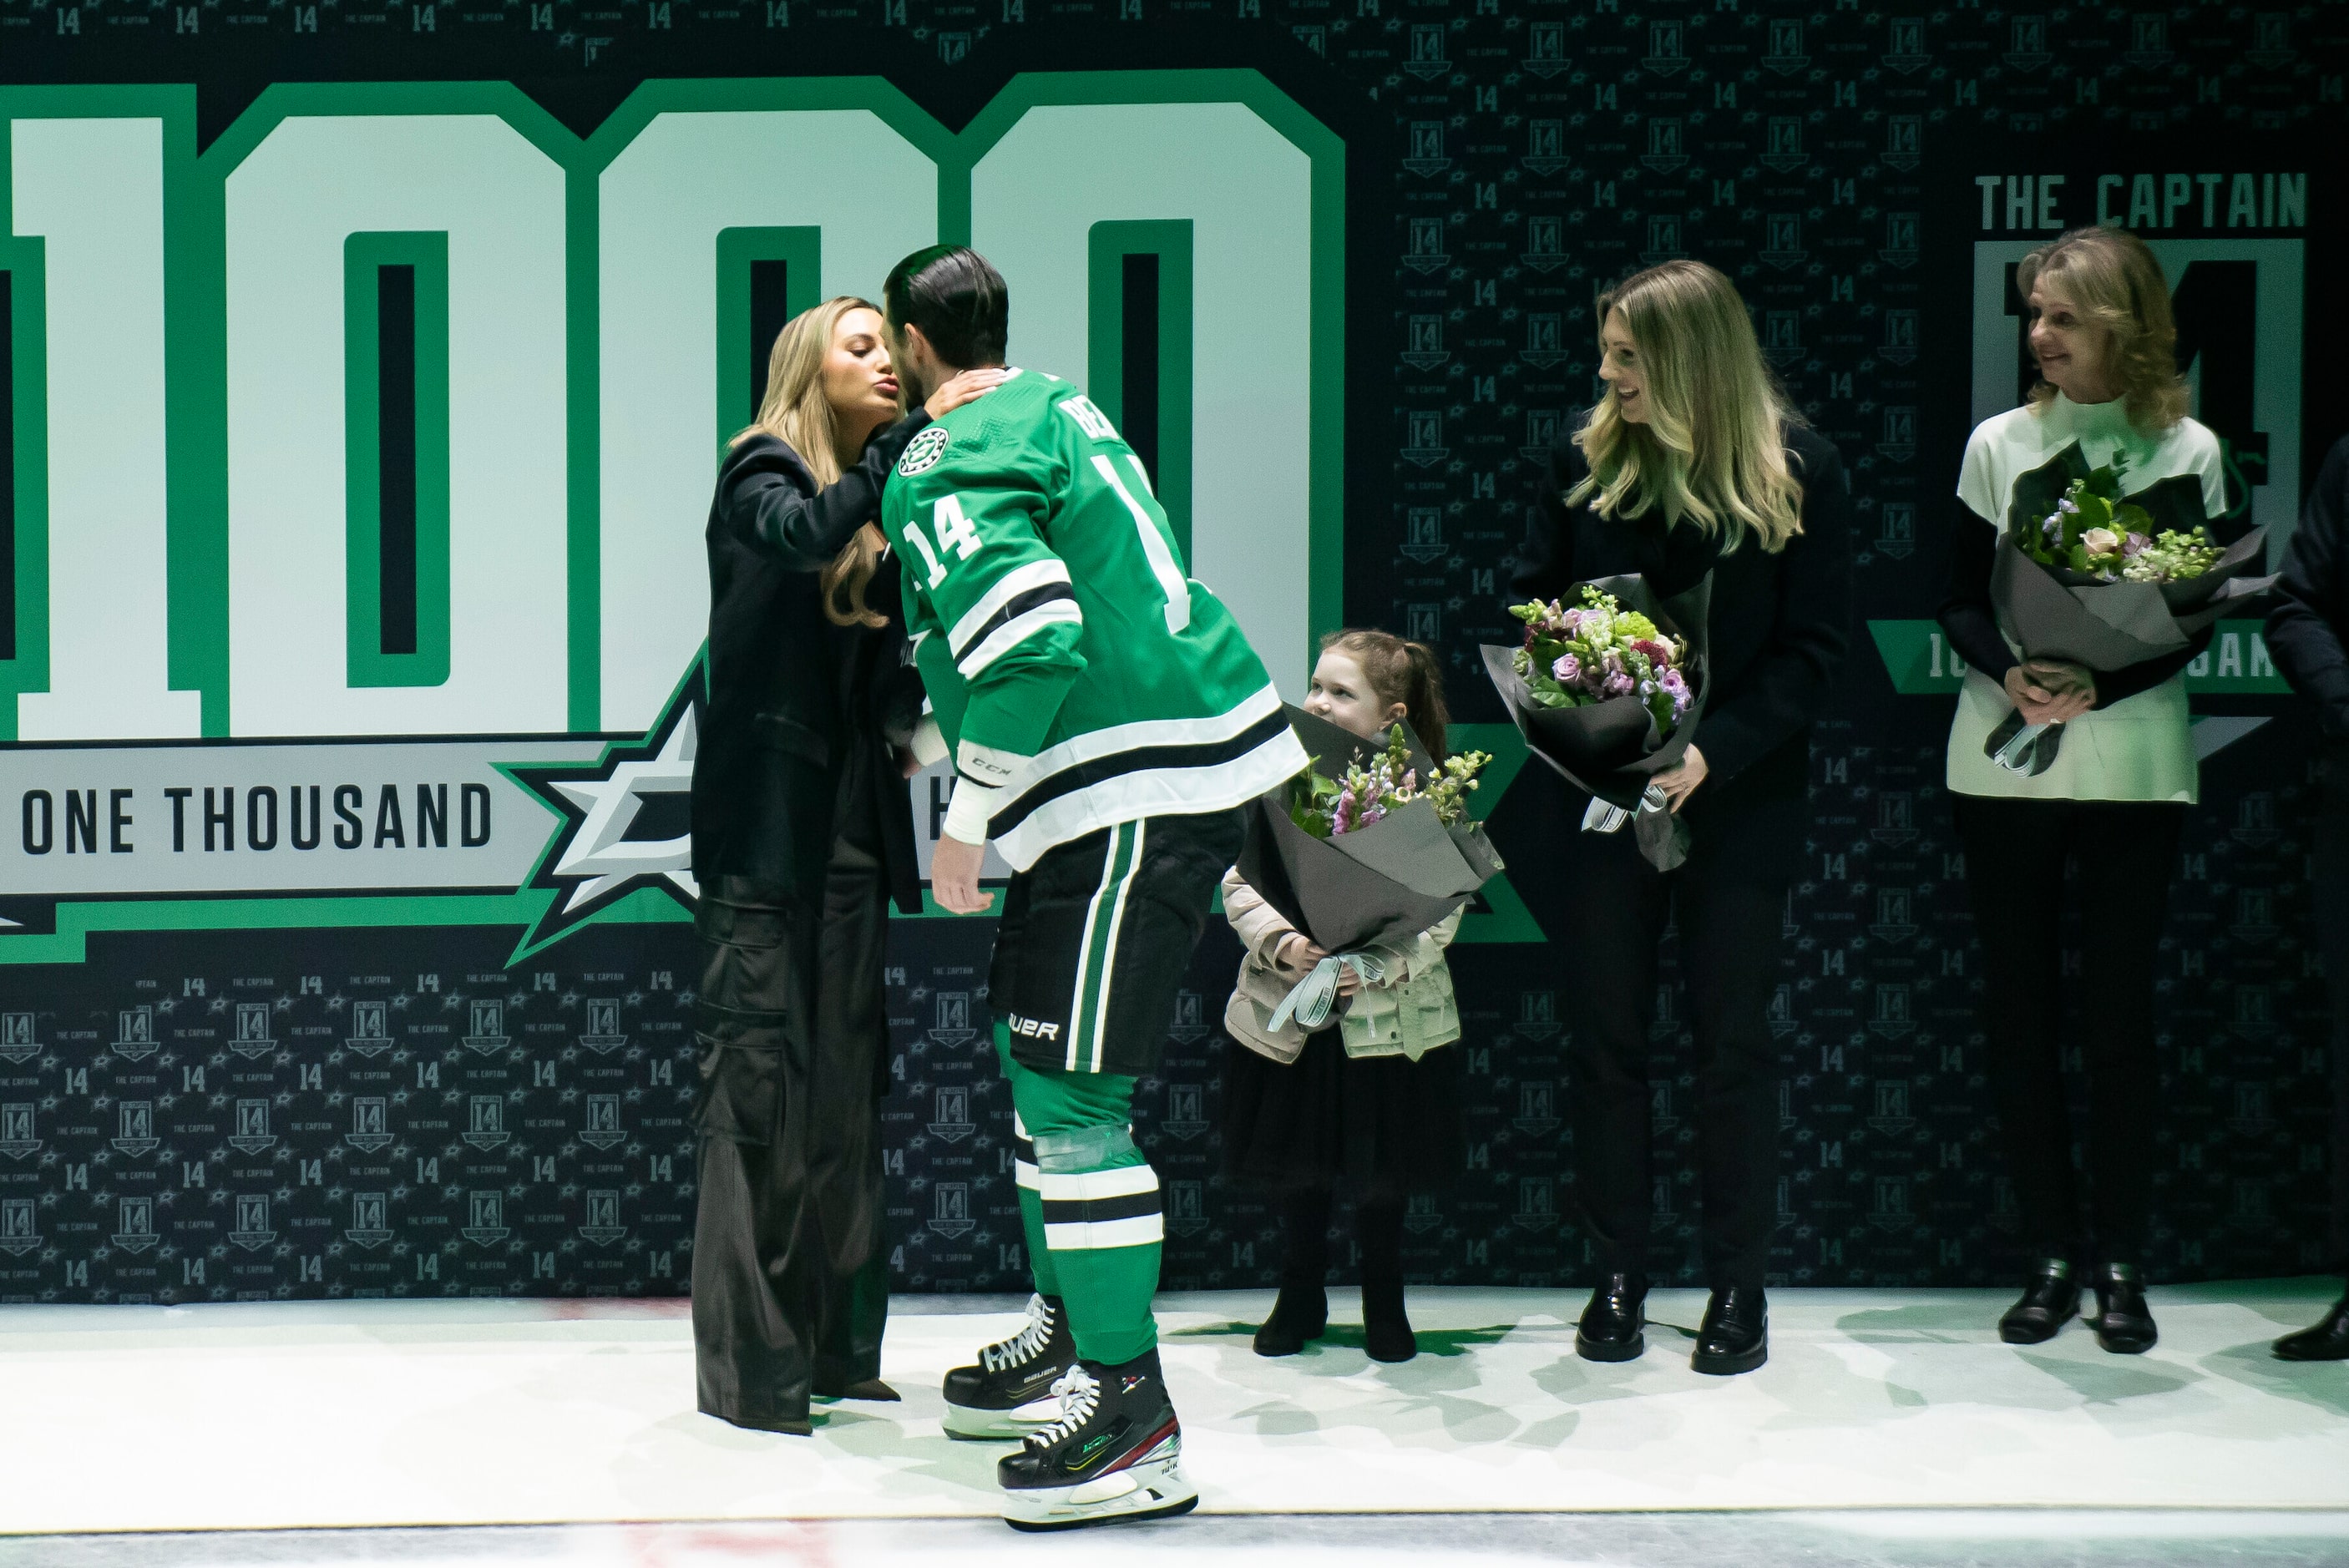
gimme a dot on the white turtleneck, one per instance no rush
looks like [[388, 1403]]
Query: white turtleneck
[[2139, 749]]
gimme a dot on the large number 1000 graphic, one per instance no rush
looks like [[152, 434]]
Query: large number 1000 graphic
[[393, 414]]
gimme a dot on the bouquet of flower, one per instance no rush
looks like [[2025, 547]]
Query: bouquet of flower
[[1388, 780], [2096, 531], [1371, 844], [2087, 575], [1608, 693], [1599, 651]]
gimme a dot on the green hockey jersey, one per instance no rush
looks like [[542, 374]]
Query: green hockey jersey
[[1079, 677]]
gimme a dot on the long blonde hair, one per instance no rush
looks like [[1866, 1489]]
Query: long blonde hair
[[1711, 450], [796, 413], [2115, 284]]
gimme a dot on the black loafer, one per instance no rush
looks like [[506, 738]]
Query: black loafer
[[1614, 1321], [2049, 1300], [1735, 1335], [2124, 1323], [2327, 1341]]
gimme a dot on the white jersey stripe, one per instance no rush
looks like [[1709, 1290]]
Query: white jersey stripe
[[1014, 632], [1138, 1231], [1152, 792], [1096, 744], [1153, 545], [1084, 1186], [1109, 949], [1006, 588]]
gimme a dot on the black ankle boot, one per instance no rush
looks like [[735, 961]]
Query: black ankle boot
[[2049, 1299], [1614, 1320], [2124, 1323], [1300, 1313], [2328, 1341], [1386, 1329], [1735, 1333]]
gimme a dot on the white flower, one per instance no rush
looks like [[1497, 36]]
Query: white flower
[[2101, 542]]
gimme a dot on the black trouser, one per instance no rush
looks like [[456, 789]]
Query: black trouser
[[789, 1259], [1730, 926], [1305, 1233], [2332, 913], [2124, 852]]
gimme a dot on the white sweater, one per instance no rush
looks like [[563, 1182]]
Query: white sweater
[[2139, 749]]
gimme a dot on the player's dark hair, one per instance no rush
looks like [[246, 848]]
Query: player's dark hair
[[956, 298]]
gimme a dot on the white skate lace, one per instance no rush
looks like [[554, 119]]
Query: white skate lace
[[1025, 1346], [1080, 1394]]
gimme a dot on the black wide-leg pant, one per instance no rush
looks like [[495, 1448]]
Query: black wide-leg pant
[[2331, 900], [790, 1257], [2124, 852], [1730, 932]]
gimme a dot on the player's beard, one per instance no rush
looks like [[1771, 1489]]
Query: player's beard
[[913, 387], [912, 390]]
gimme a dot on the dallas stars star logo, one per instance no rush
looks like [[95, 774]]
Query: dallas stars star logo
[[624, 825]]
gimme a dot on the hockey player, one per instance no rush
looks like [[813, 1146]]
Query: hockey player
[[1107, 717]]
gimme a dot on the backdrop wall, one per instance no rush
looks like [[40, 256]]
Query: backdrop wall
[[365, 364]]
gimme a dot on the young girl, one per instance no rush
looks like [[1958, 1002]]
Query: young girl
[[1369, 1097]]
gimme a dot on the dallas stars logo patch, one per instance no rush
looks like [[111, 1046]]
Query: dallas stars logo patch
[[626, 825], [924, 450]]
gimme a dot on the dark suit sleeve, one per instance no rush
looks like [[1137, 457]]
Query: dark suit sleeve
[[1788, 682], [772, 512], [2305, 629], [1966, 617], [1545, 564]]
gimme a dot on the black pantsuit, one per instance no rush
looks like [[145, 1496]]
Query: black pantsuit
[[2309, 635], [2332, 934], [803, 832], [791, 1258], [2016, 854], [1730, 927], [1779, 625]]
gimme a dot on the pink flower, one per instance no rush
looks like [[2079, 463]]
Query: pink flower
[[1566, 669], [1655, 651], [1616, 686]]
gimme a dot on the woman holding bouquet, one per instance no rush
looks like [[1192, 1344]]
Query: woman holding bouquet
[[1694, 464], [1370, 1099], [2113, 801]]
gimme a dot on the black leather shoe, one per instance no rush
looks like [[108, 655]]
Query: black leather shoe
[[1735, 1335], [1301, 1312], [2124, 1323], [2048, 1301], [1386, 1326], [2328, 1341], [1614, 1320]]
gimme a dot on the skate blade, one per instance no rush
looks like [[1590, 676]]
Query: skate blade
[[999, 1425], [1155, 1489]]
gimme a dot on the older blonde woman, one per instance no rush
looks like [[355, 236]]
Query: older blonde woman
[[2112, 804], [1693, 463]]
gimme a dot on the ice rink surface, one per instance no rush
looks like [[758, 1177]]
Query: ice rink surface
[[1887, 1428]]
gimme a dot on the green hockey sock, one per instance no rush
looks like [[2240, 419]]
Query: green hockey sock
[[1023, 1166], [1097, 1205]]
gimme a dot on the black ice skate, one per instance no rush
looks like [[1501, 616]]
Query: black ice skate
[[1114, 1455], [1010, 1393]]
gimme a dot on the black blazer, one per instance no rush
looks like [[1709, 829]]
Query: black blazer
[[2308, 631], [1780, 625], [791, 694]]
